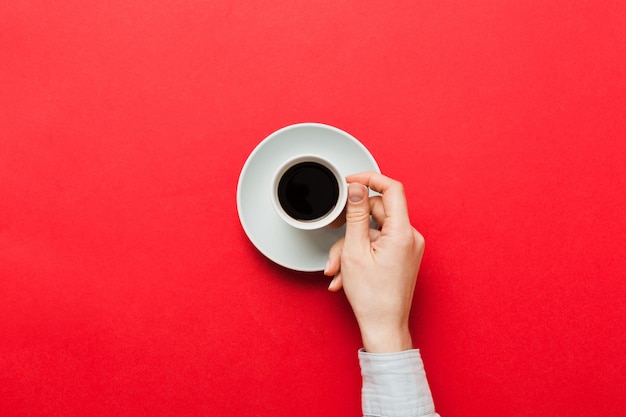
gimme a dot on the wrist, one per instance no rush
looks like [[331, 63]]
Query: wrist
[[387, 340]]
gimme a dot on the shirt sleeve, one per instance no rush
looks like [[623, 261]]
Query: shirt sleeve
[[395, 385]]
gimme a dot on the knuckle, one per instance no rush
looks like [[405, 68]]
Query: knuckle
[[419, 243], [398, 185], [405, 235], [418, 238], [410, 239], [335, 252], [357, 216]]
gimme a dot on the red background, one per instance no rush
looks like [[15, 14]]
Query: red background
[[128, 287]]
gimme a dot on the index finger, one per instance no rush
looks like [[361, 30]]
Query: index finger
[[394, 199]]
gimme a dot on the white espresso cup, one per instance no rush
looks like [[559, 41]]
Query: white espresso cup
[[309, 192]]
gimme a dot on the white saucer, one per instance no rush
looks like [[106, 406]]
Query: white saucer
[[300, 250]]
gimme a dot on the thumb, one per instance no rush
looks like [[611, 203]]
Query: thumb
[[357, 217]]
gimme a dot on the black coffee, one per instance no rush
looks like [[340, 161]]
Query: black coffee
[[308, 191]]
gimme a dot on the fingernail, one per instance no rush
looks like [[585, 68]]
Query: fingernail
[[356, 193], [327, 266], [332, 283]]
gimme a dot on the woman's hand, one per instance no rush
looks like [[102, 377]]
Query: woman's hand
[[377, 268]]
